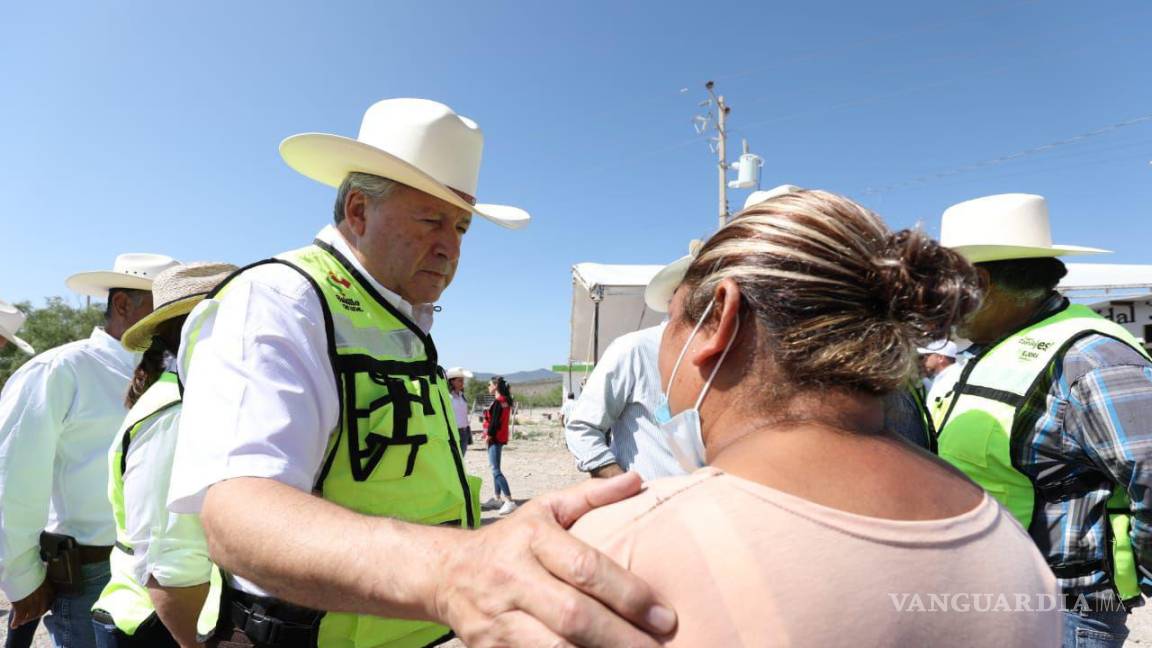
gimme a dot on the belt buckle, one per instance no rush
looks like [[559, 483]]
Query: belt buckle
[[262, 628]]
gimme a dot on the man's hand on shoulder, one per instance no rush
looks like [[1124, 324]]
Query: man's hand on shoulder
[[527, 581]]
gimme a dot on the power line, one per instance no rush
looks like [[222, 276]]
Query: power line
[[1002, 159]]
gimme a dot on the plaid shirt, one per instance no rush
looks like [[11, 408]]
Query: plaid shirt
[[1088, 431]]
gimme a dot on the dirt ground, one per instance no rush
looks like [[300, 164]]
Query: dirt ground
[[537, 462]]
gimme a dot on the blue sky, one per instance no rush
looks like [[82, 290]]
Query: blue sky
[[140, 126]]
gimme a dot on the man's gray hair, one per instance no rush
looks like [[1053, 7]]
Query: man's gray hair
[[370, 185]]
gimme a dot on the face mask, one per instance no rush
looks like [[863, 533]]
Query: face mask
[[683, 431]]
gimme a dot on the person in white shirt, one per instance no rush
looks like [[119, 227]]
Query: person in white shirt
[[58, 414], [937, 359], [160, 566], [262, 409], [456, 377], [566, 408], [612, 427]]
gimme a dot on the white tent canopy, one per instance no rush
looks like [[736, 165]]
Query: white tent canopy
[[1095, 281], [607, 302]]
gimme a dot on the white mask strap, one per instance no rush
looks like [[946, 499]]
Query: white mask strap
[[719, 362], [676, 367]]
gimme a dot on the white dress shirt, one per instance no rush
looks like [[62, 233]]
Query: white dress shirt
[[169, 547], [58, 415], [460, 408], [260, 397], [621, 397]]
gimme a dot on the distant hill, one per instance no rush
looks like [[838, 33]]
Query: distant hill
[[536, 375]]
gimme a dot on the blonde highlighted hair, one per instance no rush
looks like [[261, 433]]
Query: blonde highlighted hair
[[845, 301]]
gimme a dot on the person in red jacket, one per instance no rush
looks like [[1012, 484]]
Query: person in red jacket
[[496, 420]]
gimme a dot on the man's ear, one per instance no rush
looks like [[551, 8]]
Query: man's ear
[[121, 303], [716, 333], [355, 211]]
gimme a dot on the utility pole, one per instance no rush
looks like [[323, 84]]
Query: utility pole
[[703, 123]]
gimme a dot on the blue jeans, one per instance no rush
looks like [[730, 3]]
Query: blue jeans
[[1095, 629], [498, 481], [150, 634], [69, 622]]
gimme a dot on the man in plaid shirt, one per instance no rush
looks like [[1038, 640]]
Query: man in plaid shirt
[[1071, 395]]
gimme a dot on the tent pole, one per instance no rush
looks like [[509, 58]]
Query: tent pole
[[595, 332]]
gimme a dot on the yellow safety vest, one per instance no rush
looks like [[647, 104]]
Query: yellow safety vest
[[976, 419], [396, 452], [123, 598]]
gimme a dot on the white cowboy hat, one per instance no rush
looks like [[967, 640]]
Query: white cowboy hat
[[757, 197], [416, 142], [11, 319], [458, 372], [132, 271], [663, 285], [946, 348], [1003, 227], [175, 292]]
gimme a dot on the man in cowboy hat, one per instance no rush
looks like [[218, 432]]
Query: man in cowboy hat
[[612, 427], [456, 377], [58, 415], [1053, 414], [314, 372], [11, 319]]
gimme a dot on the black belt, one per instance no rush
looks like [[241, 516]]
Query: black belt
[[273, 622], [90, 554]]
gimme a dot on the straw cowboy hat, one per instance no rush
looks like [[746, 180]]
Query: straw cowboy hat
[[176, 292], [458, 372], [132, 271], [1003, 227], [416, 142], [660, 289], [11, 319]]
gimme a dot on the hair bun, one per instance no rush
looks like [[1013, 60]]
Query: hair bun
[[925, 286]]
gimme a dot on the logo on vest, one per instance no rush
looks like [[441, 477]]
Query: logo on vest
[[341, 284], [1032, 348]]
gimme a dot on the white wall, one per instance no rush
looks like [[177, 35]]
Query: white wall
[[1136, 316]]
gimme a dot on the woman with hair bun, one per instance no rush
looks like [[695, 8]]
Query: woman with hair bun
[[805, 521]]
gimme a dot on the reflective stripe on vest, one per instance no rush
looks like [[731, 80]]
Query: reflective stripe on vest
[[396, 452], [976, 416], [123, 598]]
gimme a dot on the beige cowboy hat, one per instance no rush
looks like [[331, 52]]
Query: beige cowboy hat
[[132, 271], [757, 197], [416, 142], [175, 292], [1004, 227], [458, 372], [658, 293], [11, 319]]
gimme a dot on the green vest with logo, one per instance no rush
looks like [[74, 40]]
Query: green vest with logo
[[126, 600], [976, 419], [396, 451]]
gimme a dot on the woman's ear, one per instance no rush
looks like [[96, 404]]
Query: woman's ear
[[715, 334]]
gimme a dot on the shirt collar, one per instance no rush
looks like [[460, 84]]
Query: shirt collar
[[110, 345], [333, 237]]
